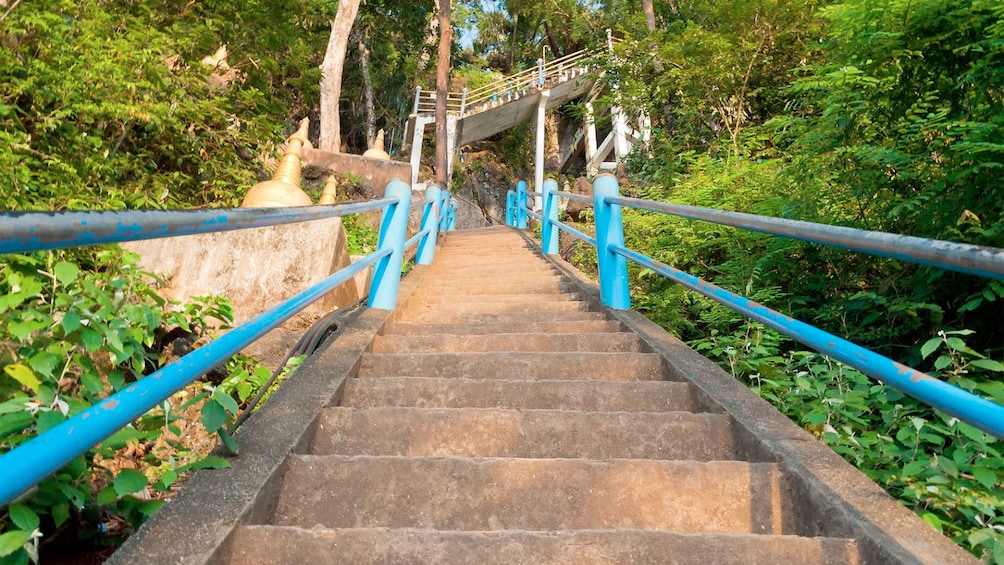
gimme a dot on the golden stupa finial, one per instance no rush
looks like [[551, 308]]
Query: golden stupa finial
[[330, 192], [284, 188], [376, 151]]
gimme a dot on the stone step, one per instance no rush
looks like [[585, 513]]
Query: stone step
[[529, 365], [493, 432], [487, 306], [454, 493], [480, 281], [511, 265], [266, 545], [538, 298], [506, 317], [490, 327], [512, 273], [622, 342], [548, 286], [587, 396]]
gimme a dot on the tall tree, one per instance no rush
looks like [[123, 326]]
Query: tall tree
[[442, 89], [649, 9], [331, 74]]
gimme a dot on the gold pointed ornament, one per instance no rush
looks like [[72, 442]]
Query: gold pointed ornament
[[284, 188], [376, 151], [330, 192]]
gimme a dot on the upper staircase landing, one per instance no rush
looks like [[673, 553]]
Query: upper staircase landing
[[501, 415], [510, 101]]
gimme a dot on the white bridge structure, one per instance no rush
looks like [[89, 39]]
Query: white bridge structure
[[491, 109]]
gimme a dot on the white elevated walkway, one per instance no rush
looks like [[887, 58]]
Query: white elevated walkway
[[481, 113]]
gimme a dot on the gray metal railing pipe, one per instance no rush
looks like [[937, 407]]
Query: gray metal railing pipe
[[36, 231], [961, 257]]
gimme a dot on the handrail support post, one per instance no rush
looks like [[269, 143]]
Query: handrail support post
[[521, 220], [393, 231], [549, 229], [610, 233], [510, 208], [431, 219]]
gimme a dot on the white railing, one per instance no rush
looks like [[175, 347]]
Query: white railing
[[508, 88]]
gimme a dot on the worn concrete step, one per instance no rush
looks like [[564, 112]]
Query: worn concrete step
[[487, 306], [530, 365], [485, 248], [505, 317], [502, 262], [538, 298], [587, 396], [548, 286], [445, 274], [453, 493], [621, 342], [491, 327], [477, 278], [493, 432], [266, 545]]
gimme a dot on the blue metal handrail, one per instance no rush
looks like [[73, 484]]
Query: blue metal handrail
[[614, 290], [22, 232], [961, 257], [32, 461]]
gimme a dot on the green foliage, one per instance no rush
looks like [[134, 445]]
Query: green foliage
[[75, 328], [882, 116], [947, 471]]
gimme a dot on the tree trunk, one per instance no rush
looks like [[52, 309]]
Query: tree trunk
[[649, 9], [364, 67], [555, 51], [430, 42], [331, 75], [442, 89]]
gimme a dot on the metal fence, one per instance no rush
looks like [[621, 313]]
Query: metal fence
[[46, 453], [613, 257]]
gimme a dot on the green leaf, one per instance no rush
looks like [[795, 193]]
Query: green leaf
[[988, 364], [915, 468], [933, 520], [12, 541], [91, 339], [71, 322], [986, 477], [229, 442], [23, 517], [107, 496], [75, 497], [942, 362], [226, 401], [120, 438], [213, 416], [23, 375], [65, 272], [14, 405], [48, 420], [60, 513], [929, 347], [211, 462], [15, 422], [44, 363], [21, 329], [129, 481]]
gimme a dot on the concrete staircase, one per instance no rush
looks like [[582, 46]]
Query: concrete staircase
[[501, 417]]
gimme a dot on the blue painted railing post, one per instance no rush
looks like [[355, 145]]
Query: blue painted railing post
[[444, 204], [431, 217], [451, 215], [510, 208], [393, 229], [521, 205], [549, 230], [610, 232]]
